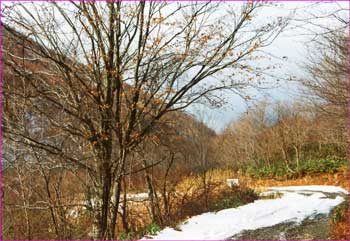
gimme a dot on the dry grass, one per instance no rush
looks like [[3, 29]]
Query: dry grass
[[341, 222], [336, 179], [341, 230], [187, 201], [219, 177]]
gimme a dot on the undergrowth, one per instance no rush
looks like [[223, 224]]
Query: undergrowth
[[340, 228], [233, 197], [306, 167], [150, 229]]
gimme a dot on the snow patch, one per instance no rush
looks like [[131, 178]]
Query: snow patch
[[311, 188]]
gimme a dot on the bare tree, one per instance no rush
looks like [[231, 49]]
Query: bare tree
[[245, 139], [200, 138], [294, 128], [101, 76], [326, 82], [329, 73]]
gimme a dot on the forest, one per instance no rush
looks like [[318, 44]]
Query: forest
[[97, 138]]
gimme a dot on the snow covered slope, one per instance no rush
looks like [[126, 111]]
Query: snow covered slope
[[296, 204]]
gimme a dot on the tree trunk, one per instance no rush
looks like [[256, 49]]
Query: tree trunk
[[296, 156], [286, 160], [101, 204], [103, 224], [125, 211], [150, 192], [156, 215], [166, 194], [96, 204], [116, 201], [206, 191]]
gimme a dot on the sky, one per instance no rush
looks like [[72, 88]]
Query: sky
[[289, 50]]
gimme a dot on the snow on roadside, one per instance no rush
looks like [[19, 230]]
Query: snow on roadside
[[293, 206], [311, 188], [75, 211]]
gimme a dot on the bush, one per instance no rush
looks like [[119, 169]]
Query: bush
[[152, 229], [339, 213], [262, 170], [234, 197], [322, 165], [126, 236], [307, 167]]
